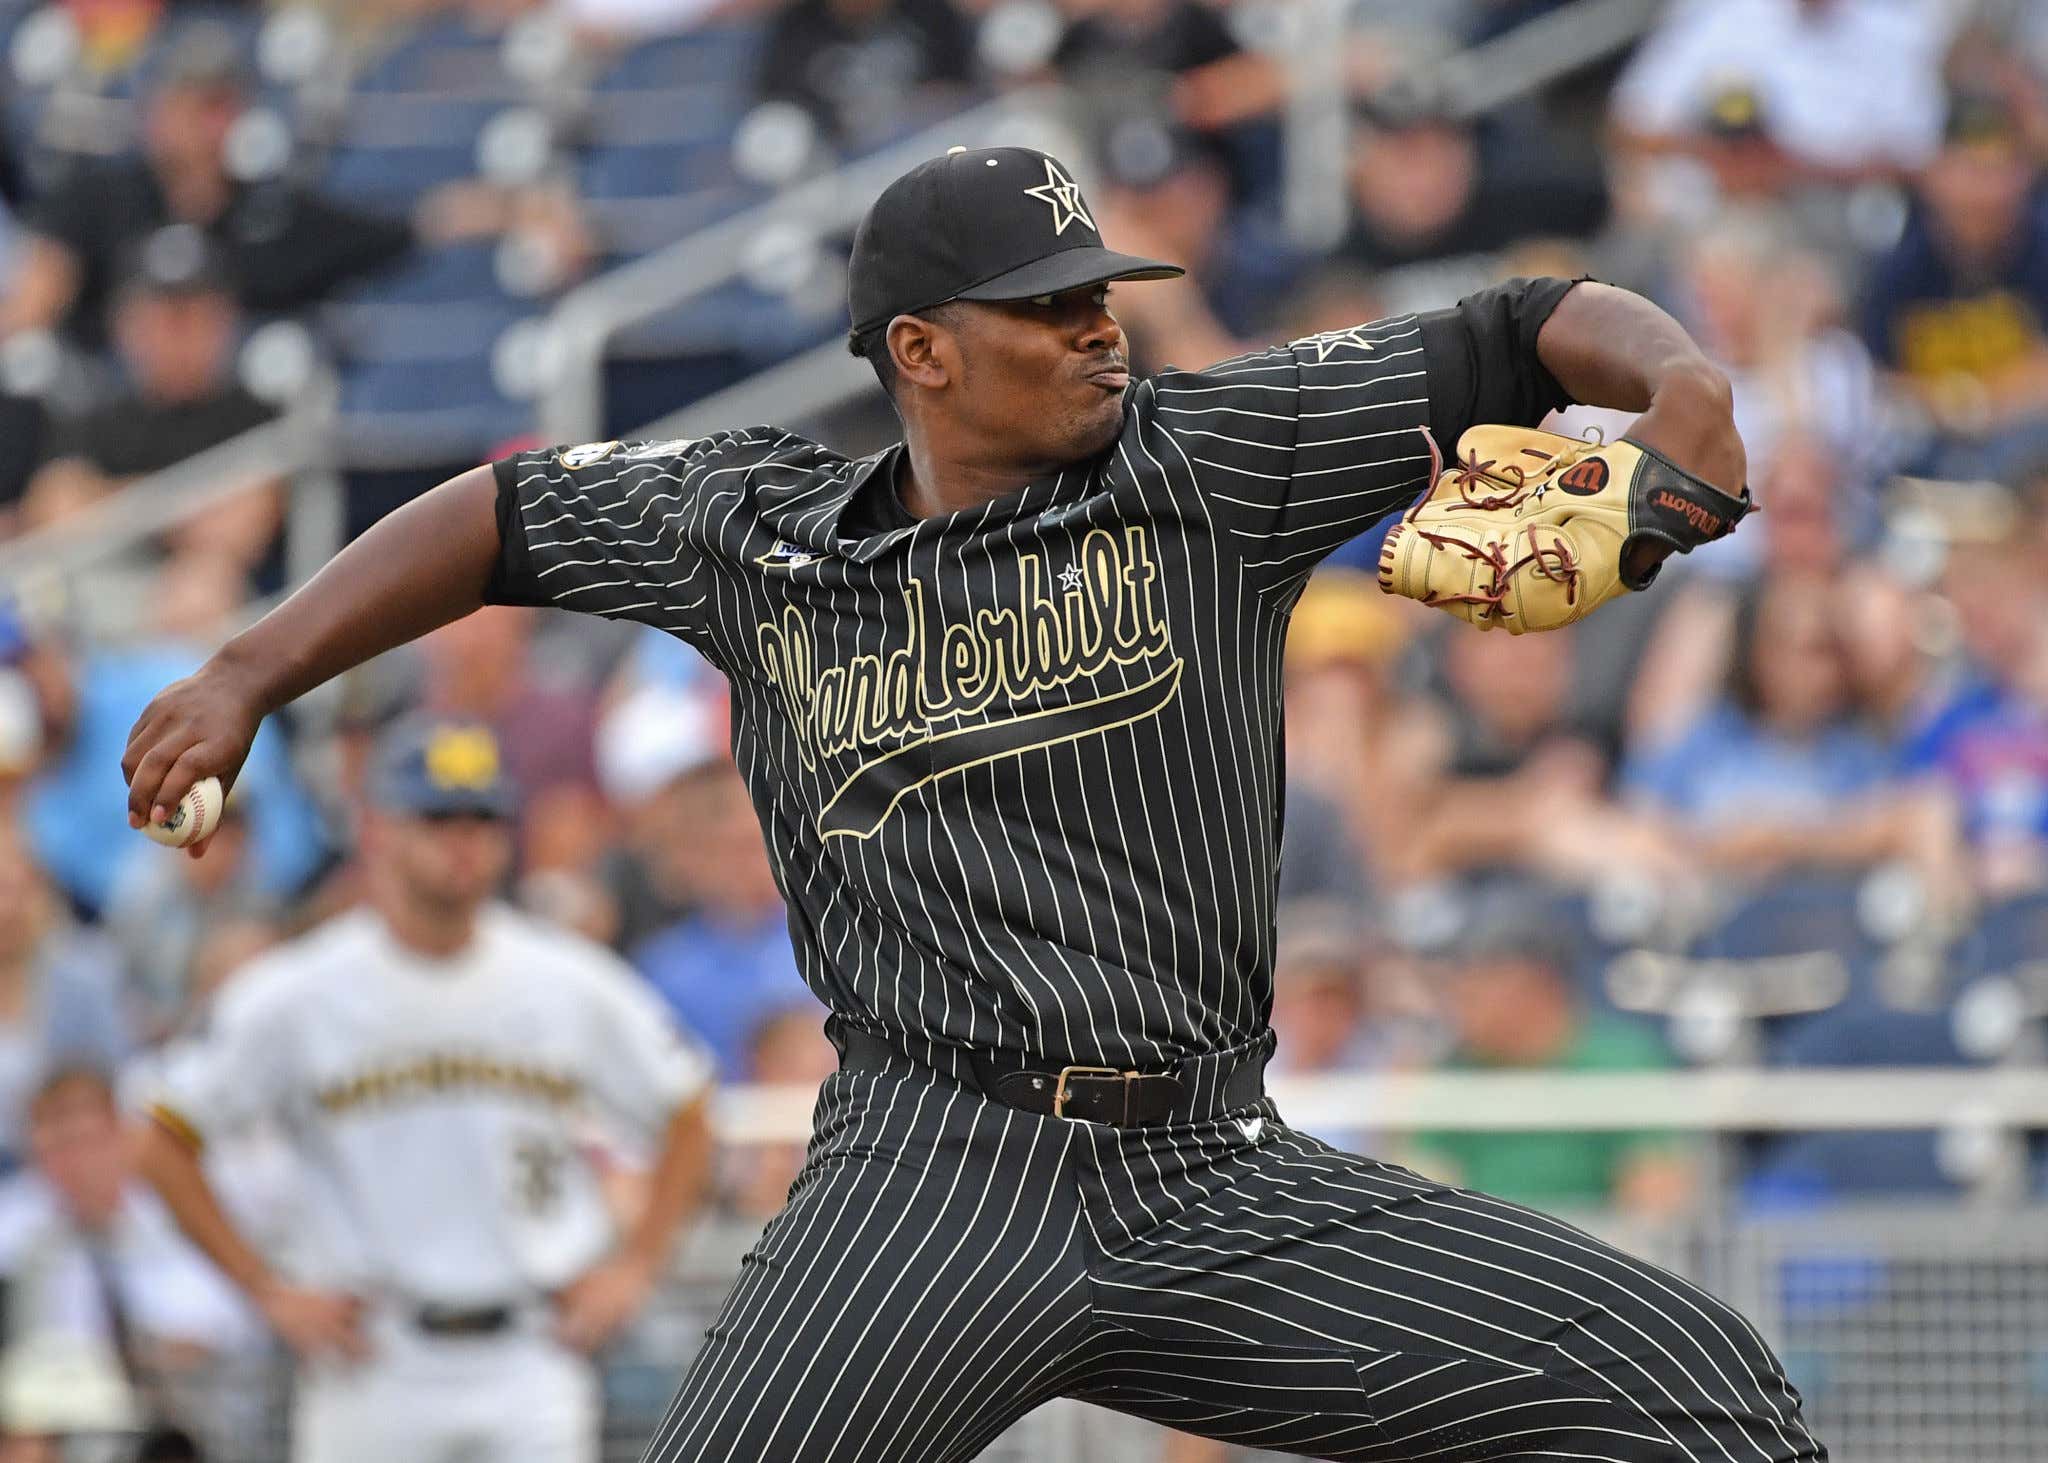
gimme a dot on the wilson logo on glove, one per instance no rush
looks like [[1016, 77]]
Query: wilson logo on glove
[[1585, 478], [1703, 519]]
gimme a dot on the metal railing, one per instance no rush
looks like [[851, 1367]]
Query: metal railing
[[2005, 1100], [1539, 51], [586, 320], [43, 570]]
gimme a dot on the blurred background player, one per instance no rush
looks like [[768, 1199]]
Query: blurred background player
[[435, 1059], [94, 1264]]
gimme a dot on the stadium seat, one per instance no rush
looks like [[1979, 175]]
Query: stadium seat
[[400, 412], [465, 271], [1795, 952], [658, 170], [721, 57], [394, 178], [1804, 1170], [414, 346], [444, 55], [390, 150], [2011, 938], [1813, 987]]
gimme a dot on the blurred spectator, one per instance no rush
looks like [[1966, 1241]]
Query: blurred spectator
[[1844, 89], [1342, 1003], [89, 1253], [1959, 309], [1175, 60], [163, 911], [58, 991], [1423, 188], [482, 668], [1897, 641], [1812, 525], [1352, 738], [787, 1047], [1511, 1007], [867, 70], [662, 761], [728, 965], [1989, 746], [174, 324], [1768, 312], [1168, 196], [76, 813], [285, 246], [1319, 1005], [1519, 777], [1778, 773]]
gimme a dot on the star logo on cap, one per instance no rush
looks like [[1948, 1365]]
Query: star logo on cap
[[1331, 340], [1063, 196]]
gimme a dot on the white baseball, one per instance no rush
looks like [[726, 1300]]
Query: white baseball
[[195, 817]]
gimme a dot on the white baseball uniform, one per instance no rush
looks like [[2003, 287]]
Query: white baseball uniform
[[439, 1108]]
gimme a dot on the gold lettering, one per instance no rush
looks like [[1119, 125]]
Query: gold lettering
[[1063, 626]]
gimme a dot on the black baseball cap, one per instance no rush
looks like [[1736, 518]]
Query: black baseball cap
[[989, 223]]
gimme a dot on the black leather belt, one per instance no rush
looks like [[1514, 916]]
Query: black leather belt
[[440, 1320], [1121, 1097]]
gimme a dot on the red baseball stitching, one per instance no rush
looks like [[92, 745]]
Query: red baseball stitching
[[198, 796]]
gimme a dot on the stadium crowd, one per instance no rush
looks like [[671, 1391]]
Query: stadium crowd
[[1604, 849]]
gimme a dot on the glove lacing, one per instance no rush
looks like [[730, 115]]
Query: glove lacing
[[1554, 561]]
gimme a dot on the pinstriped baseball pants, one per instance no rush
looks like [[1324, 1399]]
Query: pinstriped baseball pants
[[945, 1264]]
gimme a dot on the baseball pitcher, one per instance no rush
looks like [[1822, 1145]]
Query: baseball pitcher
[[1007, 697]]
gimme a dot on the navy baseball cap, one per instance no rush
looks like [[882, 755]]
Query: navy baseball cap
[[990, 223], [440, 768]]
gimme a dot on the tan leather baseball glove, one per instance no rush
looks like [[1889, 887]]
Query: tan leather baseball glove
[[1531, 531]]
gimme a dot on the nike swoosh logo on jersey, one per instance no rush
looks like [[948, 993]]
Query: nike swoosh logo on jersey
[[1251, 1128], [867, 798]]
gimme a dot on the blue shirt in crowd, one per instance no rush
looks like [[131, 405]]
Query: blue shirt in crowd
[[724, 980], [1990, 748], [77, 809], [1728, 767]]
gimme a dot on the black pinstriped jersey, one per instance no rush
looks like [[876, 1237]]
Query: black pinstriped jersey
[[1018, 767]]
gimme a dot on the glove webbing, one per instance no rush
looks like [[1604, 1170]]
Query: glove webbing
[[1554, 562]]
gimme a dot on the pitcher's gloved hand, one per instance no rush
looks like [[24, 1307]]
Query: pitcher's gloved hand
[[1532, 531]]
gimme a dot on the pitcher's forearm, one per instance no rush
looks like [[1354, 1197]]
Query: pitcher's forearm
[[1609, 347], [418, 568]]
